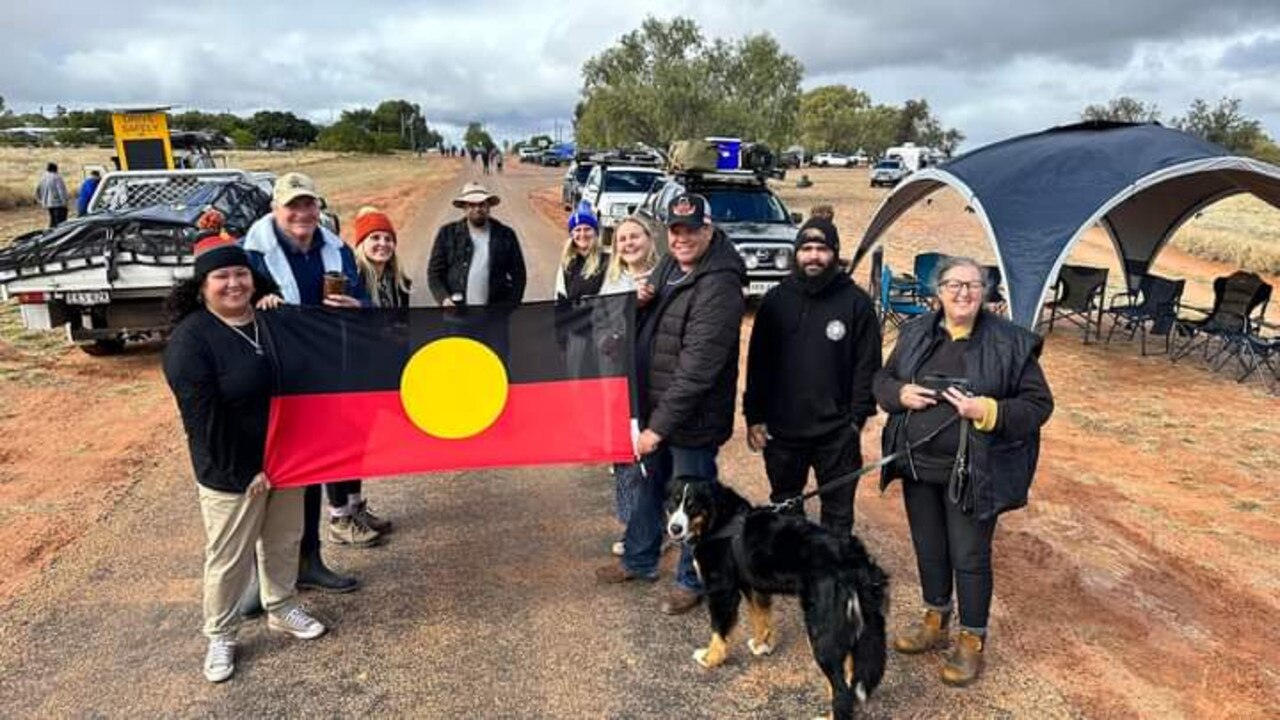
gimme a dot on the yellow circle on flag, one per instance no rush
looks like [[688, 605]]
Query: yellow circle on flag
[[454, 388]]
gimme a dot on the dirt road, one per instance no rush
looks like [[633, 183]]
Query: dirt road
[[1141, 582]]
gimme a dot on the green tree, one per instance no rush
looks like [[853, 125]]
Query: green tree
[[275, 126], [1123, 109], [476, 137], [665, 81], [1223, 124], [840, 118], [242, 138]]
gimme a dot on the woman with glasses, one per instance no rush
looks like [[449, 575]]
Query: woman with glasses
[[966, 398]]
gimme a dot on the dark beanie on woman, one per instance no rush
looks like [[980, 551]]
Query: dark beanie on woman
[[216, 252]]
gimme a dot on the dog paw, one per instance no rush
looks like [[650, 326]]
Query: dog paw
[[706, 659], [759, 649]]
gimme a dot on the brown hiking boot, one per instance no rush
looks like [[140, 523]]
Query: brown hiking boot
[[680, 601], [371, 521], [964, 663], [348, 530], [614, 574], [928, 634]]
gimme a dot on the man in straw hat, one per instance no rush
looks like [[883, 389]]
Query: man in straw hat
[[476, 260]]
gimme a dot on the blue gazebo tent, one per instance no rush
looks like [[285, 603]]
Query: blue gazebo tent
[[1036, 196]]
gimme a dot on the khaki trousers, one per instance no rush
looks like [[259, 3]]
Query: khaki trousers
[[236, 525]]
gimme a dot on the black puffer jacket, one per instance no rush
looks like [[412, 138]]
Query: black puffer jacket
[[689, 338], [451, 261], [1001, 362]]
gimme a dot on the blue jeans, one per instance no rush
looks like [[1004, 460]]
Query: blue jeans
[[643, 539]]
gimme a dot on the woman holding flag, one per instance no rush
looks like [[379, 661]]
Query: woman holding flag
[[219, 365]]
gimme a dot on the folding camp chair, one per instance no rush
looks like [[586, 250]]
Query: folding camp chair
[[898, 301], [1078, 298], [924, 268], [1155, 304], [1239, 302], [1261, 355]]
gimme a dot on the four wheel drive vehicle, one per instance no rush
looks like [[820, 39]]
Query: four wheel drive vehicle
[[830, 160], [615, 191], [529, 153], [571, 187], [747, 210], [888, 173], [105, 275]]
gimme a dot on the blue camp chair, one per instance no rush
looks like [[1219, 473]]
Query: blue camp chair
[[898, 301]]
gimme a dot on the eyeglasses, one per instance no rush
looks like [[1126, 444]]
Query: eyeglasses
[[955, 286]]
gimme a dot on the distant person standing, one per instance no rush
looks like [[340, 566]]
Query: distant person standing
[[485, 154], [51, 193], [476, 260], [497, 159], [87, 189], [815, 349]]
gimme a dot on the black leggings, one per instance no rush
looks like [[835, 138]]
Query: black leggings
[[338, 492], [950, 544]]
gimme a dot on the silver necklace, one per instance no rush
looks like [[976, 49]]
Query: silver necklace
[[257, 347]]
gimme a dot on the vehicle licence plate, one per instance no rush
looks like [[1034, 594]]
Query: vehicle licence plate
[[88, 297], [760, 287]]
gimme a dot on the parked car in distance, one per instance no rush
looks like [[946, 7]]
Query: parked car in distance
[[746, 209], [574, 177], [888, 172], [830, 160], [614, 192]]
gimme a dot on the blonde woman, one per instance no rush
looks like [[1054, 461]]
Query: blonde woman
[[634, 255], [582, 262], [376, 257]]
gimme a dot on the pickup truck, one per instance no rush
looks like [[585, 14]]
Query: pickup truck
[[747, 210], [105, 275]]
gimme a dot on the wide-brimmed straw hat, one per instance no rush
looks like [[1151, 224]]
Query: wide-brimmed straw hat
[[474, 192]]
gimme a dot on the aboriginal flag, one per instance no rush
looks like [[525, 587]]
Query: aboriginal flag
[[368, 393]]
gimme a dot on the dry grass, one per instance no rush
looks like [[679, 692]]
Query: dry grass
[[1242, 230]]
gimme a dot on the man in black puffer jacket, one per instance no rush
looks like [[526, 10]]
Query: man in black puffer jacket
[[815, 348], [687, 360]]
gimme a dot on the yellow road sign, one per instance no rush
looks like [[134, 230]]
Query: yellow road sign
[[142, 140]]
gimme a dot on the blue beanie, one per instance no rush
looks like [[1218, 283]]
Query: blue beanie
[[583, 216]]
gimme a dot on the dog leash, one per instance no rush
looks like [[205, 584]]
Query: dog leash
[[798, 501]]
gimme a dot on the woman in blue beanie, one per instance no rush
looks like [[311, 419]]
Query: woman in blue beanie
[[582, 263]]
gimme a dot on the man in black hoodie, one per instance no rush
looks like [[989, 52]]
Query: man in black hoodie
[[814, 348]]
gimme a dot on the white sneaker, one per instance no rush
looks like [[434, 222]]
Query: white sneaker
[[297, 623], [220, 660]]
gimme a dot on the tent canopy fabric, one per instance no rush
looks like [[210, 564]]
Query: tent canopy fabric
[[1036, 195]]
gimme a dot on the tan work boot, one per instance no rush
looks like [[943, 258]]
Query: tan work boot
[[964, 663], [928, 634], [348, 530]]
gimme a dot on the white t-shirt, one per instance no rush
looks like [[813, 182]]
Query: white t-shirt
[[478, 273]]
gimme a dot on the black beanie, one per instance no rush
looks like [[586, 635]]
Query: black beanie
[[216, 252], [830, 235]]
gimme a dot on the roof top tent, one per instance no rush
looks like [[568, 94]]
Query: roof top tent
[[1036, 196], [142, 138]]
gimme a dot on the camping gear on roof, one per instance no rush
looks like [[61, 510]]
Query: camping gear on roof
[[694, 156]]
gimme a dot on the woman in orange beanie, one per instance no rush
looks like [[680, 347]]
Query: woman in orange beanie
[[376, 257]]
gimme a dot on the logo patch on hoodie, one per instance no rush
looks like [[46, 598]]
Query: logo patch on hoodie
[[835, 331]]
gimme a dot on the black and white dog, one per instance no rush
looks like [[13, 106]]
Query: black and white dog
[[749, 553]]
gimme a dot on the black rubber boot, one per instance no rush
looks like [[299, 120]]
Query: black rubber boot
[[250, 605], [313, 575]]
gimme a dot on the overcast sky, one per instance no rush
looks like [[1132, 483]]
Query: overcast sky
[[987, 69]]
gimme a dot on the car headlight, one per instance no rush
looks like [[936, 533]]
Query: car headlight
[[782, 260], [752, 262]]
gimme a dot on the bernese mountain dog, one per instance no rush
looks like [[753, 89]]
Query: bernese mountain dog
[[742, 552]]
